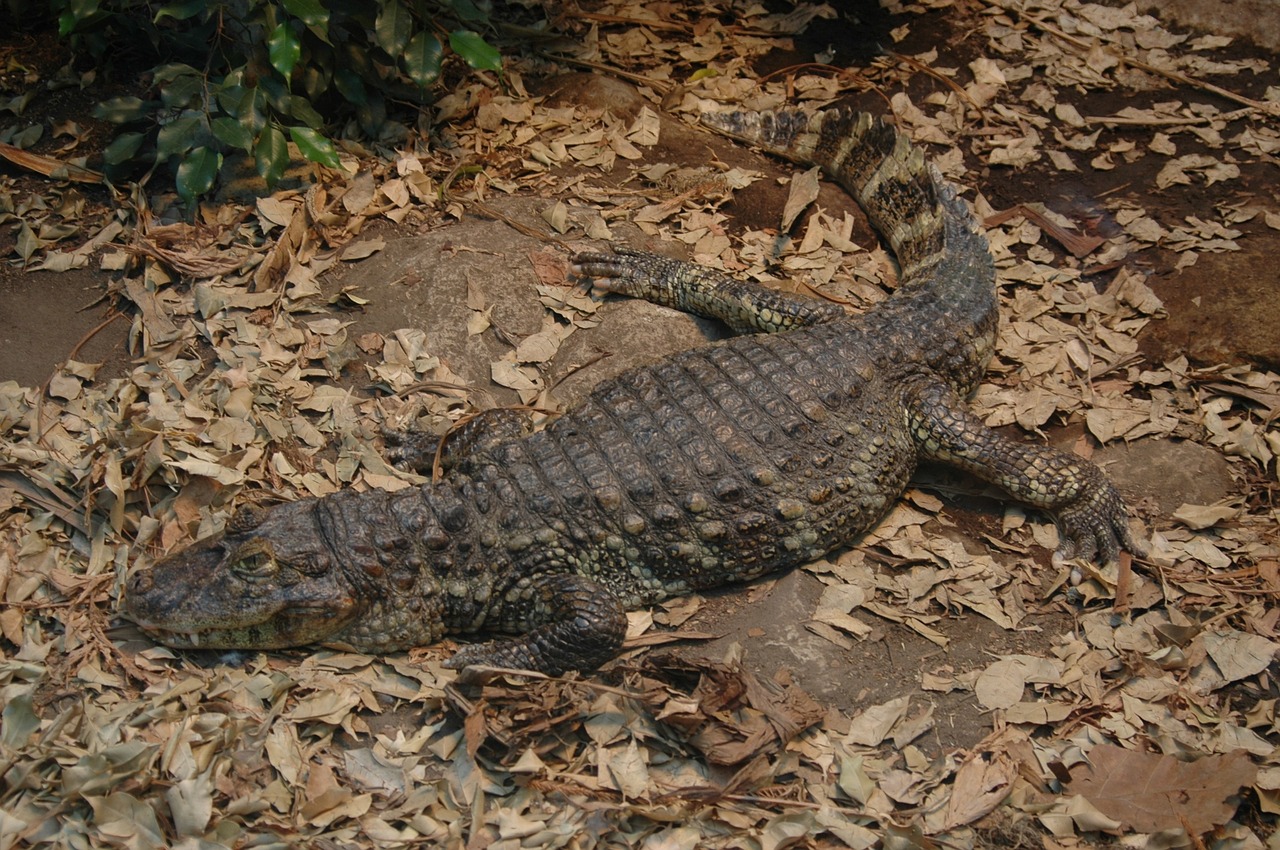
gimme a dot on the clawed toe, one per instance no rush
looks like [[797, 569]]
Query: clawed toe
[[1096, 528], [414, 451], [603, 272], [622, 272]]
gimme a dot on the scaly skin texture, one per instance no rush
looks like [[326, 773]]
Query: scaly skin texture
[[717, 465]]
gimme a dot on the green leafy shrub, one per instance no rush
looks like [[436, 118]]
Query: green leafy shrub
[[252, 75]]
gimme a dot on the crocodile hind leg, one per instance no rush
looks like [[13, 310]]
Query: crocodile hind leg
[[744, 307], [1092, 518], [565, 622]]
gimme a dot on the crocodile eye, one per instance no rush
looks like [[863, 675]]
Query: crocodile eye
[[254, 561]]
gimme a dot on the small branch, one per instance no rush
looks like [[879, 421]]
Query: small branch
[[942, 78], [659, 86], [1172, 121], [1268, 108]]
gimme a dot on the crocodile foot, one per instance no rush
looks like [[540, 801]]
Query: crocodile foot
[[627, 271], [413, 450], [1096, 523], [580, 625]]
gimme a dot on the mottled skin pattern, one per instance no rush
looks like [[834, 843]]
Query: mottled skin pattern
[[716, 465]]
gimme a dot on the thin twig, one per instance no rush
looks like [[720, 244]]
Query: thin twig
[[659, 86], [1272, 109], [671, 26], [75, 350], [834, 70], [1139, 121], [945, 80]]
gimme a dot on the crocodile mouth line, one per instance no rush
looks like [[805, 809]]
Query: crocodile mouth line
[[173, 637], [298, 618]]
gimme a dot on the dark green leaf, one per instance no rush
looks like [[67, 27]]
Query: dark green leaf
[[373, 122], [167, 73], [422, 59], [183, 92], [232, 133], [373, 118], [284, 49], [316, 78], [275, 92], [311, 12], [271, 155], [78, 12], [301, 108], [477, 52], [196, 173], [248, 106], [177, 137], [314, 146], [120, 110], [468, 12], [253, 111], [123, 148], [181, 10], [350, 86], [356, 57], [231, 99], [392, 28]]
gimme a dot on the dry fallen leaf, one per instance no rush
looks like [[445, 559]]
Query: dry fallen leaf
[[803, 192], [239, 395], [1148, 792], [1238, 654], [981, 784]]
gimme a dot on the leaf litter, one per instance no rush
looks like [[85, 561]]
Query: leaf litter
[[1155, 715]]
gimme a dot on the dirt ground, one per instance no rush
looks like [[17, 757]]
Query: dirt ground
[[1218, 327]]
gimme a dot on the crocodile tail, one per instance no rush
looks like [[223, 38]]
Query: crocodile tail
[[903, 195]]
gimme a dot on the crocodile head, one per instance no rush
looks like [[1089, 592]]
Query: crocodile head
[[268, 581]]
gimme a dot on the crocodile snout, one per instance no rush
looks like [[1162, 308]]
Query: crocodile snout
[[139, 582]]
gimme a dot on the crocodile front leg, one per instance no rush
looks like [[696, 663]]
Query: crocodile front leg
[[566, 622], [744, 307], [419, 450], [1092, 518]]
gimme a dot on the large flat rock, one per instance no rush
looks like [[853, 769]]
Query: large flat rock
[[423, 282]]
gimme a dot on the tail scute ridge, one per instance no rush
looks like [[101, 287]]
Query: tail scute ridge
[[901, 193]]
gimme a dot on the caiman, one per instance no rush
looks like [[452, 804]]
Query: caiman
[[719, 464]]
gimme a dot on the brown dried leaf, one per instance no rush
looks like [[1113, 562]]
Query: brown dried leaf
[[1148, 792], [1239, 654], [538, 348], [981, 784], [624, 768], [353, 251], [48, 166], [360, 193], [804, 191], [874, 723], [1205, 516], [1002, 683]]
